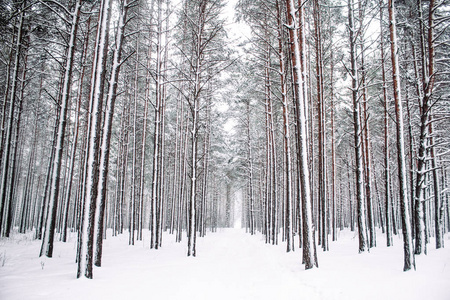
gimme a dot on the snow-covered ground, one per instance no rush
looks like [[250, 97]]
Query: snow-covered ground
[[230, 264]]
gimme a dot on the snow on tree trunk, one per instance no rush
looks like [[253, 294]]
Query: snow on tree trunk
[[194, 135], [365, 131], [438, 206], [406, 226], [47, 241], [9, 211], [5, 98], [251, 195], [75, 138], [192, 199], [387, 193], [156, 152], [86, 242], [322, 139], [144, 140], [286, 138], [9, 127], [106, 138], [357, 131], [308, 236]]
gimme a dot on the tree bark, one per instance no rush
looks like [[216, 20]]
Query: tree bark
[[106, 138], [407, 240], [357, 131], [308, 230], [86, 243], [387, 171]]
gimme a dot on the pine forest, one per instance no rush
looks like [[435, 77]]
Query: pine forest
[[258, 125]]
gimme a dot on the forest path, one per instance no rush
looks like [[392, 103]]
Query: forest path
[[244, 264], [230, 264]]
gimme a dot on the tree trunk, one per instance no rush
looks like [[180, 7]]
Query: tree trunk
[[86, 243], [308, 230], [365, 132], [74, 139], [407, 241], [106, 138], [387, 171], [322, 154], [13, 179], [251, 195], [286, 139], [357, 132]]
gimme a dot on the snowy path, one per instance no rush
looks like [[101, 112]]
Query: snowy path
[[230, 264]]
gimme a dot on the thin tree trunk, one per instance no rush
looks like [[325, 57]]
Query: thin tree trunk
[[365, 132], [74, 140], [286, 139], [5, 97], [357, 132], [387, 171], [333, 152], [156, 180], [438, 207], [144, 131], [250, 171], [47, 241], [322, 155], [13, 179], [27, 197]]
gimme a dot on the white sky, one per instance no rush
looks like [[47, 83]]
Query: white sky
[[237, 33]]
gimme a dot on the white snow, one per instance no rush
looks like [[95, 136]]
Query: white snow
[[230, 264]]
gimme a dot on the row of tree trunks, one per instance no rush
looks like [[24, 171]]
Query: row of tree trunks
[[47, 241], [9, 126], [288, 104]]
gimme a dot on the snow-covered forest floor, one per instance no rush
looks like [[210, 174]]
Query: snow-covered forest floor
[[230, 264]]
